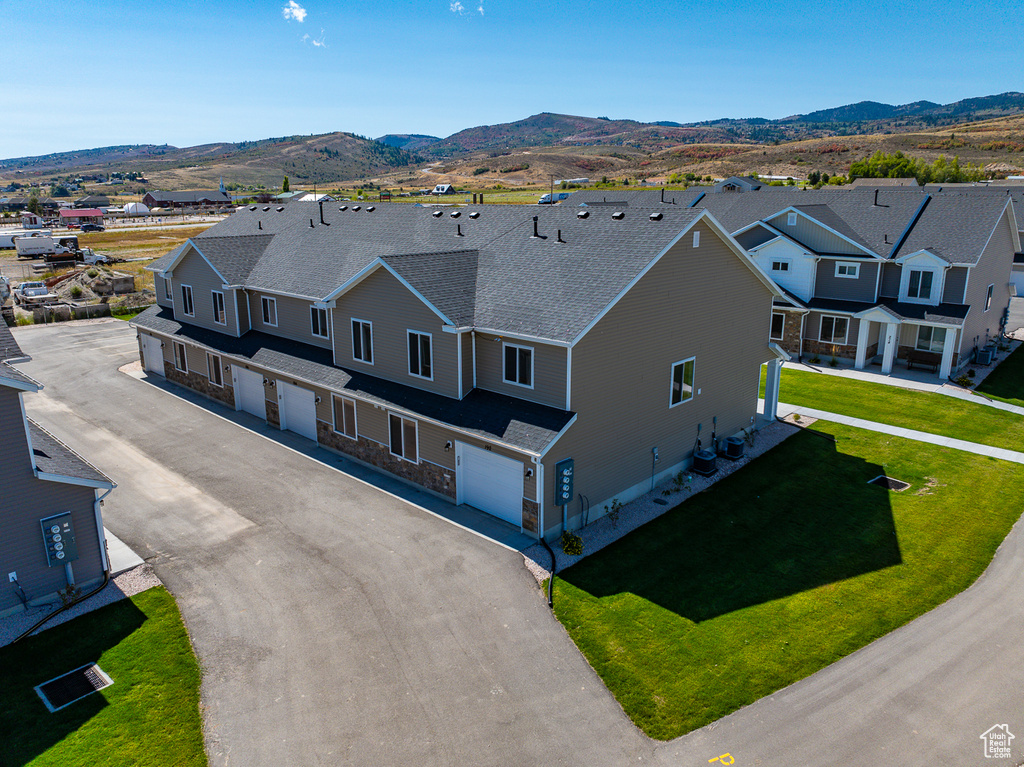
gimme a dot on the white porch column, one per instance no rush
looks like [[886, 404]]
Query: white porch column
[[947, 354], [892, 337], [771, 389], [862, 345]]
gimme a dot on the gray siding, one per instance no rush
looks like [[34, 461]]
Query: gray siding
[[25, 500], [890, 284], [956, 278], [467, 364], [754, 237], [240, 298], [812, 330], [159, 284], [384, 301], [193, 270], [549, 366], [814, 236], [293, 319], [621, 374], [827, 285], [993, 268]]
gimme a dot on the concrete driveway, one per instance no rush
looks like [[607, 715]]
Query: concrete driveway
[[337, 624]]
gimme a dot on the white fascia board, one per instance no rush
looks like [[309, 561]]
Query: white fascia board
[[94, 483], [11, 383], [379, 263], [1015, 235], [779, 352], [554, 441], [184, 251], [506, 334], [742, 254], [866, 314], [921, 255]]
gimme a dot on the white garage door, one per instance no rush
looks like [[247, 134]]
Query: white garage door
[[298, 409], [152, 351], [490, 482], [249, 391]]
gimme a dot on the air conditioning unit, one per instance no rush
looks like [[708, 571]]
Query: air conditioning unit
[[734, 448], [983, 356], [705, 463]]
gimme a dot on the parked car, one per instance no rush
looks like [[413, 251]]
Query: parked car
[[89, 256], [93, 228], [547, 199], [34, 294]]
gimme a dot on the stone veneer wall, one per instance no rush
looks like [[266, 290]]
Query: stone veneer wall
[[273, 416], [530, 514], [790, 332], [201, 384], [824, 350]]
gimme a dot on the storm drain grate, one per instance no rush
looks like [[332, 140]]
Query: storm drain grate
[[72, 686], [889, 483]]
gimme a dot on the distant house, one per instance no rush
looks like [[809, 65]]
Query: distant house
[[15, 203], [93, 201], [45, 486], [443, 189], [880, 182], [197, 199], [31, 220], [84, 216], [738, 184], [314, 197], [284, 196]]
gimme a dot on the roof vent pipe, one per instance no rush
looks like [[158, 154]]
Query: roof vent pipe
[[260, 224], [458, 230], [310, 223], [535, 232], [560, 236], [322, 214]]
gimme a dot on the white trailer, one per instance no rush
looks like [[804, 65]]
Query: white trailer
[[31, 247], [7, 236]]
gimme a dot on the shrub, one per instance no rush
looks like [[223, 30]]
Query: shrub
[[964, 381], [613, 512], [76, 291], [92, 272], [572, 544], [480, 171]]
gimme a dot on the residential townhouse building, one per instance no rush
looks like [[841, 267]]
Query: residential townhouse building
[[470, 350]]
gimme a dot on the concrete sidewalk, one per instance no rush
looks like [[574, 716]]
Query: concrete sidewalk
[[786, 409]]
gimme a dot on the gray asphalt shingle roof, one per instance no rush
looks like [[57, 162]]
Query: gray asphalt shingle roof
[[493, 416], [955, 226], [11, 373], [54, 457], [9, 349]]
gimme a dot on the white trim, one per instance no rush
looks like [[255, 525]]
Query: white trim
[[568, 379], [473, 337], [506, 334], [334, 416], [408, 354], [554, 441], [504, 372], [786, 262], [1014, 234], [191, 300], [19, 385], [28, 432], [352, 340], [184, 356], [220, 370], [378, 263], [65, 480], [696, 238], [672, 381], [323, 325], [791, 218], [184, 251], [168, 289], [238, 315], [830, 229], [935, 290], [458, 361], [847, 265], [223, 307], [779, 337], [97, 505], [264, 313], [834, 317], [988, 297], [415, 424]]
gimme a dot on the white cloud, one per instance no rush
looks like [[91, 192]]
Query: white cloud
[[457, 7], [317, 43], [481, 9], [294, 11]]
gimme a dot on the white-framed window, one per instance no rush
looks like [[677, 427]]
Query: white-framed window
[[318, 322], [403, 438], [219, 315], [833, 329], [919, 285], [930, 339], [791, 219], [682, 382], [362, 341], [180, 360], [420, 357], [214, 370], [168, 292], [517, 365], [344, 416], [778, 326], [779, 265], [849, 270], [696, 238], [988, 298], [187, 307], [269, 307]]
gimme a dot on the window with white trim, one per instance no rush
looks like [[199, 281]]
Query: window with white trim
[[403, 440], [518, 365], [778, 326], [847, 269], [219, 315], [791, 219], [168, 292], [696, 238], [187, 307], [833, 329], [682, 382], [213, 369], [930, 339], [988, 298], [269, 307], [362, 341], [180, 360], [920, 284], [780, 266], [344, 416], [420, 358], [318, 322]]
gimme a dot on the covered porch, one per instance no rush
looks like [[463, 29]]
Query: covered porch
[[928, 344]]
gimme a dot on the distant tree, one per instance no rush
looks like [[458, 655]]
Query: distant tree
[[824, 178], [813, 177], [286, 187], [33, 205], [60, 191]]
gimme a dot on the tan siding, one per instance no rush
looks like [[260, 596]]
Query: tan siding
[[393, 310], [549, 363], [953, 290], [827, 285], [467, 363], [193, 270], [293, 319], [815, 237], [241, 297], [993, 269], [622, 369]]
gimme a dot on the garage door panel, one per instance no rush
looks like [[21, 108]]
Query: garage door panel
[[249, 392], [298, 409], [491, 483], [152, 350]]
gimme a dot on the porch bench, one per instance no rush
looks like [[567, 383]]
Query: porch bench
[[923, 359]]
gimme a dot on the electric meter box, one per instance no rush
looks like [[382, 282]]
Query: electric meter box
[[59, 539], [564, 471]]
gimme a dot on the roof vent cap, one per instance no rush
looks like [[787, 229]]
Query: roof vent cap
[[343, 208], [280, 208], [437, 213], [657, 216], [370, 209], [252, 207], [583, 214], [265, 209], [475, 214], [355, 208], [455, 213], [618, 215]]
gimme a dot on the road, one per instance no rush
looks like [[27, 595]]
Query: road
[[340, 625]]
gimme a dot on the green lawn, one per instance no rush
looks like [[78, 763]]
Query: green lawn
[[150, 715], [1006, 382], [781, 569], [923, 411]]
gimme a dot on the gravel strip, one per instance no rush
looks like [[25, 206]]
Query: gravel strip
[[602, 532], [121, 586]]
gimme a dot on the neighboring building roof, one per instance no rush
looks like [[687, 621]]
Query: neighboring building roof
[[80, 212], [513, 421], [955, 226], [14, 378], [642, 198], [234, 257], [858, 183], [9, 349], [52, 456], [946, 314], [162, 197]]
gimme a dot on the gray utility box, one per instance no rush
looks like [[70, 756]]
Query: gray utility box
[[59, 539]]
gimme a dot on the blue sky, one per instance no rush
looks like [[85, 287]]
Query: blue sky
[[88, 74]]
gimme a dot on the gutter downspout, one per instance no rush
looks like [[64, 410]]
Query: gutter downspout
[[99, 527]]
